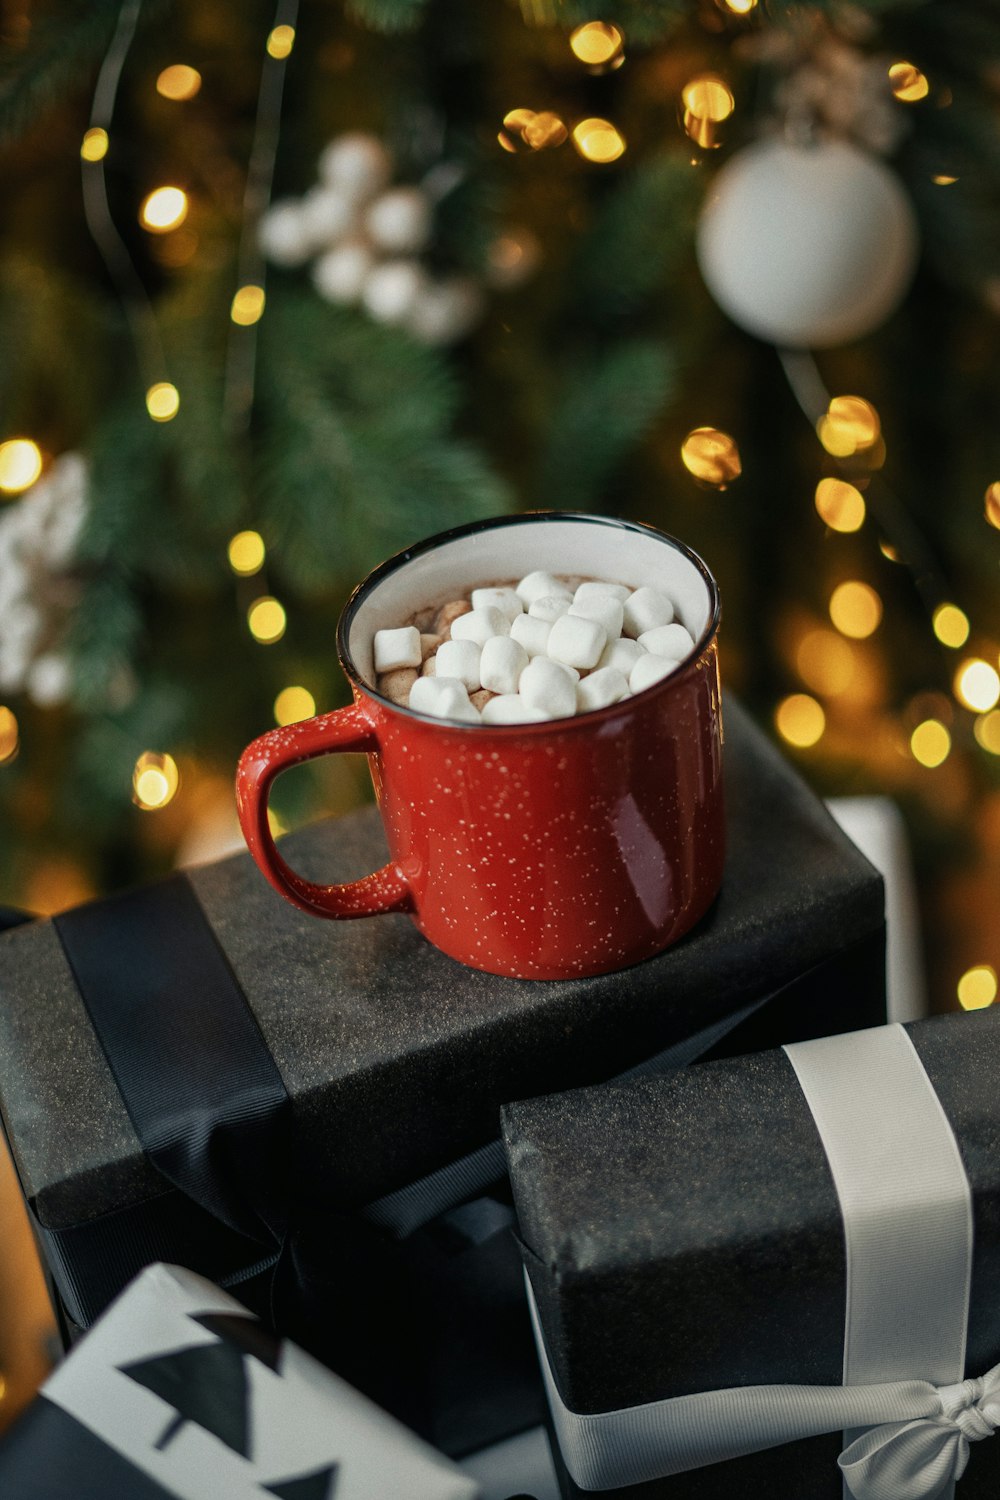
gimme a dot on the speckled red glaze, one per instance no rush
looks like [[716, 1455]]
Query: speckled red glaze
[[542, 851]]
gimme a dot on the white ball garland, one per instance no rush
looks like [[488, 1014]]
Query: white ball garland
[[282, 234], [392, 290], [807, 246], [399, 221], [340, 274], [356, 163]]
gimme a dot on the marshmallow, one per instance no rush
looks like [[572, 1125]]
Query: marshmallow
[[541, 586], [459, 659], [576, 641], [602, 608], [501, 664], [443, 698], [607, 685], [397, 648], [546, 687], [571, 672], [505, 600], [622, 654], [672, 641], [510, 708], [548, 609], [645, 609], [532, 634], [479, 624], [598, 590], [649, 669]]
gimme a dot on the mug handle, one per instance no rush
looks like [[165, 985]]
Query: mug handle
[[345, 729]]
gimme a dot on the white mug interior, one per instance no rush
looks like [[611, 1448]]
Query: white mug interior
[[588, 547]]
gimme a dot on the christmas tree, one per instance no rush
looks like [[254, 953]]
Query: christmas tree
[[286, 289]]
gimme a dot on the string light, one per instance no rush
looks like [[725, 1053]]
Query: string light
[[246, 553], [163, 401], [94, 146], [536, 131], [248, 305], [20, 465], [738, 7], [977, 685], [987, 731], [951, 625], [598, 44], [293, 704], [840, 505], [930, 743], [850, 425], [597, 140], [941, 179], [908, 83], [855, 609], [280, 41], [711, 456], [825, 662], [178, 82], [155, 780], [889, 551], [267, 620], [800, 720], [977, 987], [163, 209], [991, 504], [707, 102], [9, 738]]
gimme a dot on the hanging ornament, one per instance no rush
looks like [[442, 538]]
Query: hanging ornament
[[807, 246]]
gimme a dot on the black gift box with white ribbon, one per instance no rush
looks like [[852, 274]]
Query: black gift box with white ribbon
[[687, 1234]]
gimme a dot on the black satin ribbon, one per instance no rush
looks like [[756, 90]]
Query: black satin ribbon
[[197, 1078]]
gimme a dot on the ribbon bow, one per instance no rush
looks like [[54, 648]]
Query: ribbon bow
[[916, 1460]]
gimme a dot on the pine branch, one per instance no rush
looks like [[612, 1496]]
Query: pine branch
[[388, 15], [60, 52], [642, 21]]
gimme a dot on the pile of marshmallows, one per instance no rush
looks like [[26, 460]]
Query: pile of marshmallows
[[538, 650]]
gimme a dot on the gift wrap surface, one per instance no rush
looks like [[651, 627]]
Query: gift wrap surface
[[683, 1234]]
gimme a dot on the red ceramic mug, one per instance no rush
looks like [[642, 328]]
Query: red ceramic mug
[[544, 850]]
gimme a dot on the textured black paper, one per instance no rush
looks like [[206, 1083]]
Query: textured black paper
[[397, 1058], [683, 1234]]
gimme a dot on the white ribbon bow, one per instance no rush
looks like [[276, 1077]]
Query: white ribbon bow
[[915, 1460]]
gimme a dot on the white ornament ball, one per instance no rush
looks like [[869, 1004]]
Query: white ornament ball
[[392, 290], [340, 274], [399, 221], [49, 680], [282, 236], [446, 311], [327, 216], [807, 246], [358, 165]]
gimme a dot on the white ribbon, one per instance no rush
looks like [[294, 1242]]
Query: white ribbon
[[906, 1204]]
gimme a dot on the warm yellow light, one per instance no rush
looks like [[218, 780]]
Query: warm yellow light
[[991, 504], [537, 131], [739, 7], [708, 98], [908, 83], [20, 465], [987, 731], [178, 82], [8, 735], [977, 685], [281, 41], [155, 779], [293, 704], [711, 456], [248, 305], [94, 146], [855, 609], [889, 551], [840, 505], [267, 620], [163, 209], [850, 425], [941, 179], [598, 140], [951, 625], [977, 987], [930, 743], [163, 401], [800, 720], [596, 42], [246, 553], [825, 662]]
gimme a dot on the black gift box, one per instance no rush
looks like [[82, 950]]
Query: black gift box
[[683, 1234]]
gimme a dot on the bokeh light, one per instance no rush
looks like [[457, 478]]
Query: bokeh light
[[930, 743], [977, 987], [855, 609], [850, 425], [536, 130], [951, 625], [163, 401], [596, 43], [707, 102], [246, 553], [597, 140], [94, 146], [20, 465], [907, 82], [987, 731], [800, 720], [163, 209], [155, 779], [825, 662], [292, 704], [840, 505], [8, 734], [280, 41], [977, 685], [738, 7], [247, 306], [178, 82], [991, 504], [267, 620], [711, 456]]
